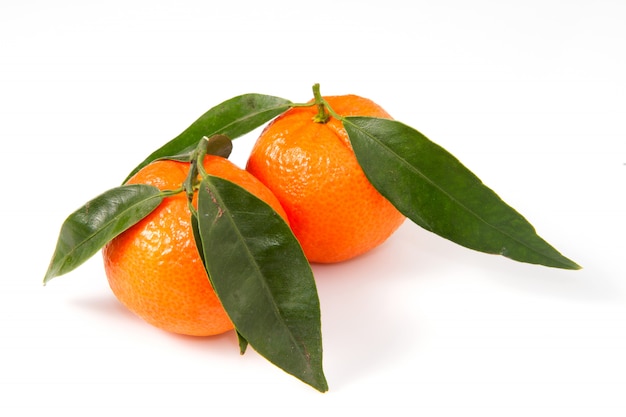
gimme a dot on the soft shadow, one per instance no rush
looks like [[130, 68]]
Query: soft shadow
[[424, 255], [104, 305], [365, 329], [364, 326], [111, 308], [594, 283], [225, 343]]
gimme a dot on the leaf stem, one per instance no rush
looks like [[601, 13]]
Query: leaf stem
[[322, 115], [325, 112], [333, 113], [201, 153], [169, 193], [196, 167]]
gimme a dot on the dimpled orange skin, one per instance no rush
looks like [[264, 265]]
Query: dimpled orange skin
[[154, 267], [333, 209]]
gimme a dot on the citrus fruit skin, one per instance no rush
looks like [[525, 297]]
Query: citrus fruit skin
[[333, 210], [154, 268]]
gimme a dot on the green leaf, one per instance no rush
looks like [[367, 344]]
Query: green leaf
[[233, 118], [243, 343], [219, 145], [93, 225], [433, 189], [262, 278]]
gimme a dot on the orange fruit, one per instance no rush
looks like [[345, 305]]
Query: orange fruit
[[154, 267], [333, 209]]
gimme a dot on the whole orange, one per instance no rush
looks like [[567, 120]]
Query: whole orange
[[154, 267], [333, 209]]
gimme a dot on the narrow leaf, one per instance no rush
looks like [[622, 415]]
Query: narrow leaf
[[233, 118], [433, 189], [90, 227], [262, 278]]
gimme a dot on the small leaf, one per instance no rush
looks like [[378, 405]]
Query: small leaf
[[262, 278], [432, 188], [243, 343], [233, 118], [93, 225]]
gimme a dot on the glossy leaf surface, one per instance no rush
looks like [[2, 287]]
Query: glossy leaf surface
[[233, 118], [433, 189], [90, 227], [262, 278]]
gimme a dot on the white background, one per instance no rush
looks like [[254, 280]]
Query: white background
[[531, 96]]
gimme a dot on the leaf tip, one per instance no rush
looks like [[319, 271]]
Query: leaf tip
[[50, 273], [323, 387], [566, 263], [573, 266]]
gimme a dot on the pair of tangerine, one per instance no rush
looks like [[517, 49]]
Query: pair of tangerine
[[305, 169]]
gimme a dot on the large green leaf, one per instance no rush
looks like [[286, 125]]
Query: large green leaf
[[233, 118], [432, 188], [90, 227], [262, 278]]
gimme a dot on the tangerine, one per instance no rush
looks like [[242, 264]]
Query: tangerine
[[154, 267], [333, 209]]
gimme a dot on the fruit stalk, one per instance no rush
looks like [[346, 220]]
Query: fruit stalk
[[322, 115]]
